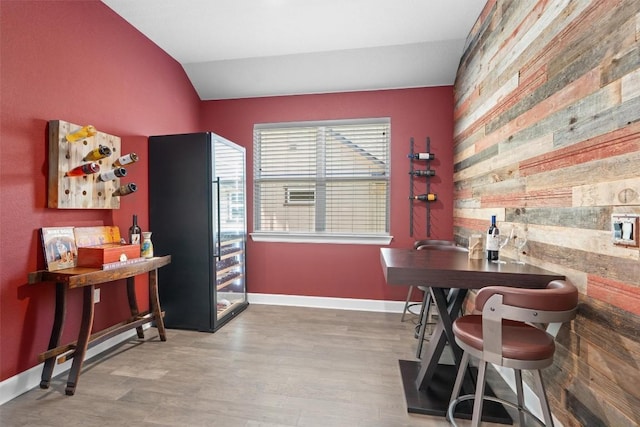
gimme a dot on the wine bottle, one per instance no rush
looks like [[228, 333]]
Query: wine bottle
[[428, 197], [86, 169], [134, 231], [493, 245], [123, 190], [98, 153], [421, 156], [427, 172], [112, 174], [82, 133], [125, 160]]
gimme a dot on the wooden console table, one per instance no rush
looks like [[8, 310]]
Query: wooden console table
[[86, 278]]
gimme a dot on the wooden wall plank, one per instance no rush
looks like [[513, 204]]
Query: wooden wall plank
[[558, 153], [617, 142], [615, 293], [611, 193]]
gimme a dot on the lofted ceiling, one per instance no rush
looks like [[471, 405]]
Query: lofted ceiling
[[253, 48]]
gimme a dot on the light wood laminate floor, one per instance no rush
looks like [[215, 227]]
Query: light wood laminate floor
[[271, 366]]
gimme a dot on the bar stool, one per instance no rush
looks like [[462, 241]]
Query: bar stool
[[504, 334], [407, 304]]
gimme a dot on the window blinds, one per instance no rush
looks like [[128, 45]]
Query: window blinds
[[323, 177]]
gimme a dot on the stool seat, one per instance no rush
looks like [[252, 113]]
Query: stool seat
[[520, 341]]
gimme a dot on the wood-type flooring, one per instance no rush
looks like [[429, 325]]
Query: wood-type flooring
[[272, 366]]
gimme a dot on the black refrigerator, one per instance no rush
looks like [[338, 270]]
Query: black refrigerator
[[197, 213]]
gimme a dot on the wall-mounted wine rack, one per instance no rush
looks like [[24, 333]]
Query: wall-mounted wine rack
[[85, 191], [420, 174]]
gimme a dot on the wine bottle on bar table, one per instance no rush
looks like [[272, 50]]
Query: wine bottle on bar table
[[421, 156], [86, 169], [427, 172], [428, 197], [493, 243]]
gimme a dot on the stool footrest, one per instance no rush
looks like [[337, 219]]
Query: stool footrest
[[452, 407]]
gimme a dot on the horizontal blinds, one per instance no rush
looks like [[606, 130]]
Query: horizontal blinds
[[330, 178]]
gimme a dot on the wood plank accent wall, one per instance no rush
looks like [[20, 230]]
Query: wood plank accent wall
[[547, 137]]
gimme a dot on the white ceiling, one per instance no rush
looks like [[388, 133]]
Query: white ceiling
[[253, 48]]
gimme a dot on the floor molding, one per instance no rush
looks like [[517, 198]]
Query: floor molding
[[327, 302]]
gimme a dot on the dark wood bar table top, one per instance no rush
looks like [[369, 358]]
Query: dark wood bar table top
[[449, 275]]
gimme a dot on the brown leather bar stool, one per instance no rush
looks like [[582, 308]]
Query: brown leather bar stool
[[407, 304], [504, 334]]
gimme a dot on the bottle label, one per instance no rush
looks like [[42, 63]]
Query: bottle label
[[108, 176], [493, 242], [126, 159], [135, 239]]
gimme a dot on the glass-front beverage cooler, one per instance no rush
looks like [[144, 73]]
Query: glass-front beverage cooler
[[197, 212]]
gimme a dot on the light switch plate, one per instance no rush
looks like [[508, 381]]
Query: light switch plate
[[624, 229]]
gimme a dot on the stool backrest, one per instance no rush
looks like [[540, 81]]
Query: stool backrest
[[553, 305], [432, 242]]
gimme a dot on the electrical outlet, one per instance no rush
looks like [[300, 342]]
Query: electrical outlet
[[96, 296], [624, 229]]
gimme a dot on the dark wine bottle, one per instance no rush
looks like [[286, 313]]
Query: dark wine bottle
[[427, 172], [421, 156], [134, 232], [86, 169], [98, 153], [112, 174], [123, 190], [493, 245], [428, 197]]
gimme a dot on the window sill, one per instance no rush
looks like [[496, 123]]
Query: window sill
[[350, 239]]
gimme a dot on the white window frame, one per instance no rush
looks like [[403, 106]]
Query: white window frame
[[375, 238]]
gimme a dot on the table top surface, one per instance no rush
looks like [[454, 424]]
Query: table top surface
[[84, 276], [453, 269]]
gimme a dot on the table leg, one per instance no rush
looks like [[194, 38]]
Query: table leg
[[56, 333], [447, 311], [83, 339], [133, 303], [155, 304]]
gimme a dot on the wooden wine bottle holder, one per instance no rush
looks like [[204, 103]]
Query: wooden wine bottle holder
[[80, 192]]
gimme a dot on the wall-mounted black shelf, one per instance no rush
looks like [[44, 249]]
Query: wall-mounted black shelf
[[420, 174]]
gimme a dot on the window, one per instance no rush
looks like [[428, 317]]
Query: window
[[322, 181]]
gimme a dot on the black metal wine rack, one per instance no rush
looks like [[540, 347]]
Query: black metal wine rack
[[427, 179]]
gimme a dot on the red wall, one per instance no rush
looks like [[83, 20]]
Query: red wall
[[78, 61], [347, 271], [75, 61]]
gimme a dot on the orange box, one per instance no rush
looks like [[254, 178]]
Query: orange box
[[97, 256]]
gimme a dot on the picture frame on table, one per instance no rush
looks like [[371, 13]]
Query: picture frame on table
[[60, 250]]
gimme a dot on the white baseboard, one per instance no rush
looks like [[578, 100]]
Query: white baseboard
[[327, 302], [25, 381]]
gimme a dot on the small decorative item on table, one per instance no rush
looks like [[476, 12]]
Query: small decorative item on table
[[147, 245], [476, 247], [59, 246]]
